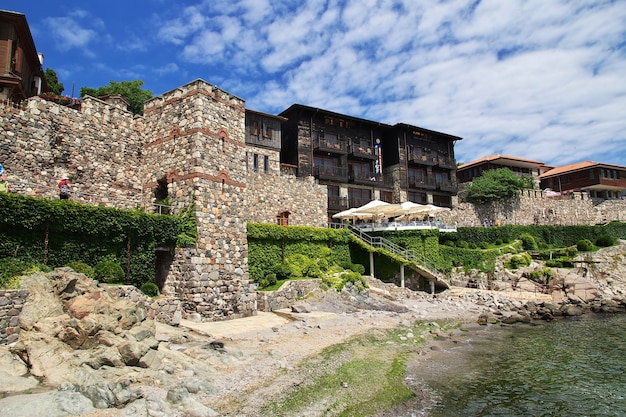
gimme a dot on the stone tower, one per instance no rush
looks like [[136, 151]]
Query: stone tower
[[195, 155]]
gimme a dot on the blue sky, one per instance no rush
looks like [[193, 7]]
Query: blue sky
[[543, 80]]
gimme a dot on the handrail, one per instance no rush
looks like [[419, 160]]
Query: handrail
[[381, 242]]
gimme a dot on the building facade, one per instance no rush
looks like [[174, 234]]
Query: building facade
[[520, 166], [21, 72], [601, 181], [360, 160]]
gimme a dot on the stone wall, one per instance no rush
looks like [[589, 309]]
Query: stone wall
[[535, 207], [98, 147], [286, 295], [11, 303], [303, 198]]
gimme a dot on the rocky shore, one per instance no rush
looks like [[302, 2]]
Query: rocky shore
[[82, 351]]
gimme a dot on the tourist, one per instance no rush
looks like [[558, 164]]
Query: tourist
[[64, 188], [4, 184]]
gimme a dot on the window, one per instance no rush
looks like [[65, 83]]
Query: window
[[255, 162], [266, 164], [255, 128], [359, 197], [266, 131], [416, 197], [386, 196]]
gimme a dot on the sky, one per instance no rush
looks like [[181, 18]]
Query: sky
[[541, 79]]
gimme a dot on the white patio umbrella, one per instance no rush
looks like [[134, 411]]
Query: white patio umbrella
[[364, 212], [372, 208]]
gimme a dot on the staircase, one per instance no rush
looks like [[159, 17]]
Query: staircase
[[419, 264]]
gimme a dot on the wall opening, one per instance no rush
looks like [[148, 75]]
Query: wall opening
[[164, 259]]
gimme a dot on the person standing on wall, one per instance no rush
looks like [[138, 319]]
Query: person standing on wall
[[64, 188], [4, 184]]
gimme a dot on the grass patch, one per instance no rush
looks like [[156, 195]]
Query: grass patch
[[362, 376]]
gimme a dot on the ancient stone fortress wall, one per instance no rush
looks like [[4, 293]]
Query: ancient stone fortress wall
[[271, 192], [535, 207], [98, 147], [196, 140]]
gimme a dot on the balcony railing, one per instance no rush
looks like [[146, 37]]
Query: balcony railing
[[428, 183], [363, 177], [422, 159], [334, 146], [331, 173], [446, 162], [362, 150], [448, 186], [358, 202], [337, 203]]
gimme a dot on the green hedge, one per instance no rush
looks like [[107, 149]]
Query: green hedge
[[82, 233], [270, 245]]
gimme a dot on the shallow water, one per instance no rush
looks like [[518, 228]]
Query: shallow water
[[573, 367]]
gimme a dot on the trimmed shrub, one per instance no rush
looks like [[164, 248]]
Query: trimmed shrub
[[605, 241], [584, 245], [81, 268], [150, 289], [462, 244], [528, 241], [109, 272], [483, 245], [518, 261], [449, 243]]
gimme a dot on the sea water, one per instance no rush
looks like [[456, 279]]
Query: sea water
[[569, 367]]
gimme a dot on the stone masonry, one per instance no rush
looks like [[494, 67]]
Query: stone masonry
[[192, 140], [191, 145]]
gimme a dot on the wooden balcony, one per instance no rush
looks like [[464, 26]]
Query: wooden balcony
[[337, 203], [331, 173], [362, 150], [423, 183], [363, 177], [446, 162], [451, 186], [422, 159], [337, 147]]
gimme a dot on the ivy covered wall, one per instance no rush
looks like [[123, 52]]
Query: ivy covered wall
[[57, 232]]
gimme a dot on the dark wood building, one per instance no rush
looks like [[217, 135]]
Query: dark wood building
[[425, 164], [600, 180], [21, 72], [360, 160]]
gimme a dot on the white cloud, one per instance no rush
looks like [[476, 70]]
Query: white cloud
[[535, 79], [69, 34]]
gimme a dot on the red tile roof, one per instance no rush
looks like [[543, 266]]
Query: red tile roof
[[577, 167]]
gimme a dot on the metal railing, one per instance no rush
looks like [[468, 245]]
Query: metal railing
[[382, 243]]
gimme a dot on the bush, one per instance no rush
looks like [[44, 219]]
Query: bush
[[499, 242], [542, 276], [462, 244], [528, 241], [358, 268], [81, 268], [449, 243], [150, 289], [605, 241], [484, 245], [584, 245], [518, 261], [282, 271], [109, 272]]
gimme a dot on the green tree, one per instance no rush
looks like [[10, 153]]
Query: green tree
[[494, 185], [53, 82], [130, 90]]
